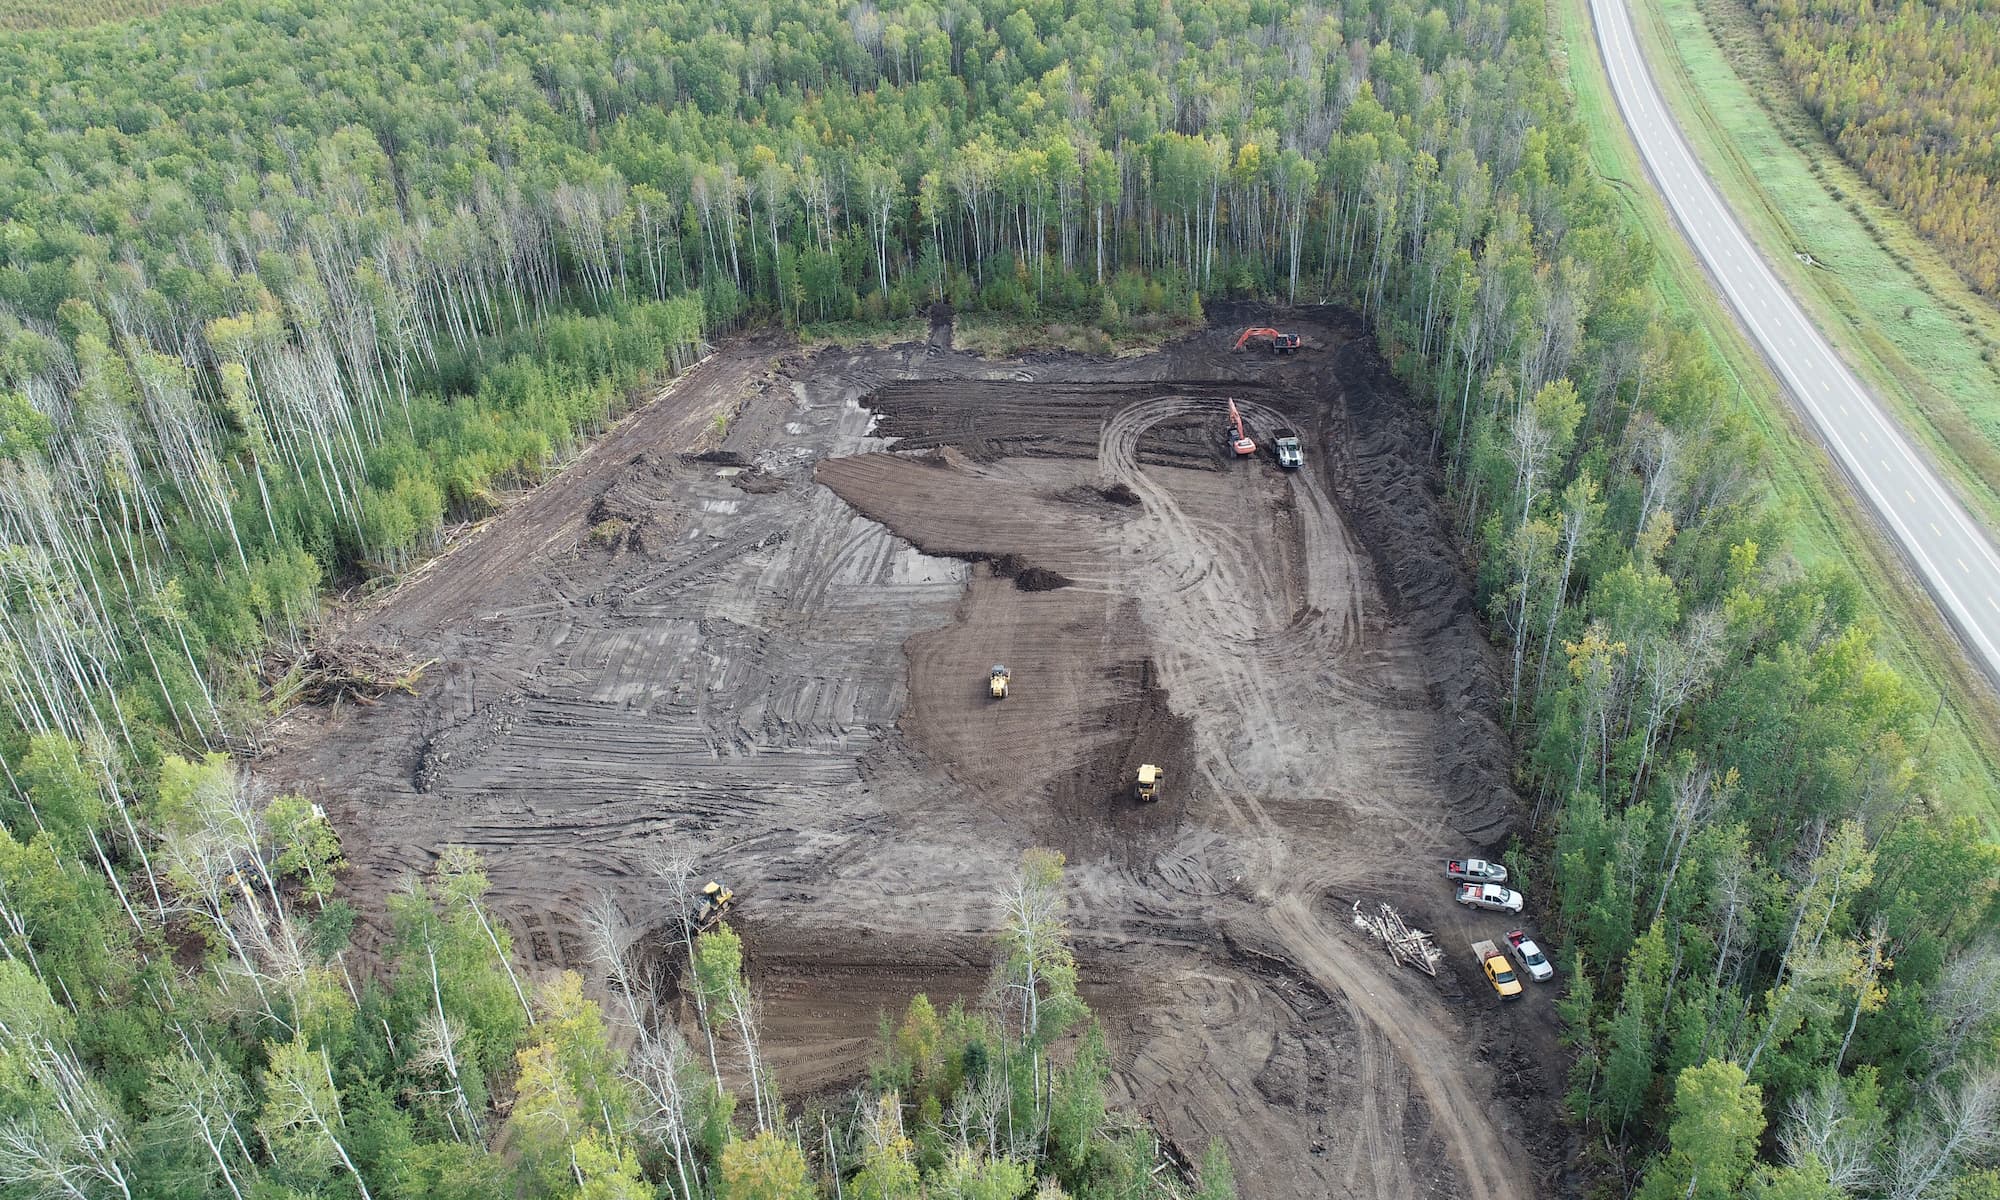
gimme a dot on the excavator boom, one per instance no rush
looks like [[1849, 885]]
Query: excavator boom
[[1241, 443], [1281, 342]]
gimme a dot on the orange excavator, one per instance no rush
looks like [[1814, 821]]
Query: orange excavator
[[1281, 342], [1240, 443]]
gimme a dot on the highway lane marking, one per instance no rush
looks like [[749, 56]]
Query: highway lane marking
[[1911, 497], [1924, 475], [1949, 596], [1698, 202]]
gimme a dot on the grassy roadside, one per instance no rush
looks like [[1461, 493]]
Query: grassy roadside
[[862, 335], [1896, 309], [1829, 526]]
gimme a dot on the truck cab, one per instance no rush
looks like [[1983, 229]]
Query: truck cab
[[1474, 870], [1291, 454], [1490, 896], [1499, 972], [1530, 956]]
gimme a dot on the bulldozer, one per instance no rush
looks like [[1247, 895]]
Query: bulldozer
[[710, 906], [997, 680], [1281, 342], [1150, 779]]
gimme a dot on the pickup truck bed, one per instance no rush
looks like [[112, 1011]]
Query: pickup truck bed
[[1499, 972], [1490, 896], [1475, 870]]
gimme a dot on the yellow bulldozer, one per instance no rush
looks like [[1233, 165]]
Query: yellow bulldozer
[[1150, 779], [711, 906], [997, 681]]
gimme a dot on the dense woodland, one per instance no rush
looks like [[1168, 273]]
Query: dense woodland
[[289, 287], [1911, 95]]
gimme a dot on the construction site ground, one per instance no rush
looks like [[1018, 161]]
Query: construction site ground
[[756, 620]]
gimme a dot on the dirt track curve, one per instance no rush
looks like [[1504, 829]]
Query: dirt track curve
[[771, 648]]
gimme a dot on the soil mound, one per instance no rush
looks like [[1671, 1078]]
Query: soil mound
[[1026, 577], [1039, 579]]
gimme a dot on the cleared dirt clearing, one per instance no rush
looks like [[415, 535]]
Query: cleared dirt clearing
[[773, 649]]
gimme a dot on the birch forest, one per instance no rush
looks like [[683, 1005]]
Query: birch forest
[[290, 289]]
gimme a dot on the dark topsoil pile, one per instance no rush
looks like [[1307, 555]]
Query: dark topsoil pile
[[1392, 494]]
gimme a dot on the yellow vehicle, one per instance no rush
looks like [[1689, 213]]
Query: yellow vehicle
[[1499, 972], [997, 680], [711, 906], [1150, 779]]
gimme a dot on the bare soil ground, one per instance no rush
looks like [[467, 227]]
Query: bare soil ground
[[772, 646]]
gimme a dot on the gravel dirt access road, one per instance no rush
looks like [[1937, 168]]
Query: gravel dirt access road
[[770, 646]]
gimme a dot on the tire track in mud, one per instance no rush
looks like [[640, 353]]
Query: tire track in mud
[[759, 671], [717, 684], [1226, 582], [1332, 587], [1284, 628], [1419, 1046], [1261, 610]]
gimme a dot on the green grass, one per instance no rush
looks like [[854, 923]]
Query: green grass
[[999, 336], [1827, 524], [1899, 313], [862, 334]]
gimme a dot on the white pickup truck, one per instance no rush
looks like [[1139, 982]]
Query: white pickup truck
[[1530, 956], [1490, 896], [1476, 870]]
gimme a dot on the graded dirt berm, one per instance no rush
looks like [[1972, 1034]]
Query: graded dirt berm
[[772, 648]]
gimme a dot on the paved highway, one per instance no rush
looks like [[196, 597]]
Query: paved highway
[[1951, 553]]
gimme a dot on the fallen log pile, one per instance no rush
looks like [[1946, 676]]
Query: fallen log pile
[[327, 672], [1409, 947]]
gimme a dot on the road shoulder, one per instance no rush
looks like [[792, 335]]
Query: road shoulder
[[1824, 523]]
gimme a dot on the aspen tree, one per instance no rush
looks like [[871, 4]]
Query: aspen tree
[[302, 1116]]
